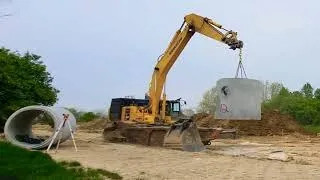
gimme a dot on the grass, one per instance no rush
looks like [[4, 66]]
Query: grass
[[70, 163], [23, 164], [312, 129]]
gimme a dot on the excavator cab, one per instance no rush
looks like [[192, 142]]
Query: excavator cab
[[173, 109]]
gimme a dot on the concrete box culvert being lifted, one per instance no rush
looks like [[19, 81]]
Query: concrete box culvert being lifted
[[18, 127], [239, 99]]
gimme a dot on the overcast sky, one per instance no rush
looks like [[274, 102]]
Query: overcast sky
[[98, 49]]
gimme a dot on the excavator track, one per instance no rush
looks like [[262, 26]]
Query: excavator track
[[182, 135]]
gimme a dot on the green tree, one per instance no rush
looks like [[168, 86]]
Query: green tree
[[300, 105], [307, 90], [297, 93], [275, 89], [266, 92], [88, 116], [284, 92], [75, 112], [271, 90], [24, 81], [317, 94], [208, 102]]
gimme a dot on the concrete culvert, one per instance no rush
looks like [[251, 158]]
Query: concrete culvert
[[18, 127]]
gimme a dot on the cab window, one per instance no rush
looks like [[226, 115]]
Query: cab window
[[176, 107]]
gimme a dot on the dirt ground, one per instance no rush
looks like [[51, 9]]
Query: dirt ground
[[242, 158]]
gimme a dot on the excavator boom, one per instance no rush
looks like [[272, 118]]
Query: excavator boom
[[192, 23]]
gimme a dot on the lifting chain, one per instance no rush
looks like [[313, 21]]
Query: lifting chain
[[240, 55], [240, 67]]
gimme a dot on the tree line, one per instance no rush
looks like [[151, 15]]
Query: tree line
[[85, 116], [303, 105]]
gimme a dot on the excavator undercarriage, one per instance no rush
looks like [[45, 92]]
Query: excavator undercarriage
[[183, 134]]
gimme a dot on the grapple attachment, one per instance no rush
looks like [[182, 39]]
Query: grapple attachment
[[184, 134]]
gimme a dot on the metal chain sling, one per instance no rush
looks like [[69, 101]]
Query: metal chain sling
[[240, 67]]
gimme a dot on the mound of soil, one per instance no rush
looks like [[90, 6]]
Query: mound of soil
[[98, 124], [271, 123]]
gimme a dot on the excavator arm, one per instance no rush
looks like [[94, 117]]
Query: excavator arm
[[192, 23]]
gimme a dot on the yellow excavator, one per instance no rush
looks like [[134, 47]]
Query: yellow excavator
[[155, 121]]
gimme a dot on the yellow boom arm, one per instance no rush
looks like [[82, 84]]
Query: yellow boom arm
[[192, 23]]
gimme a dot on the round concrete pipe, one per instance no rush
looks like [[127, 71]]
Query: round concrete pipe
[[19, 124]]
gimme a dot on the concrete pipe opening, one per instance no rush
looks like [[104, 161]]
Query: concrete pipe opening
[[19, 126]]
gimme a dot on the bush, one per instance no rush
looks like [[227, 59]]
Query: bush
[[88, 116], [303, 106]]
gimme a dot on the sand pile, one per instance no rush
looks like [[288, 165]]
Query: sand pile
[[271, 123]]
